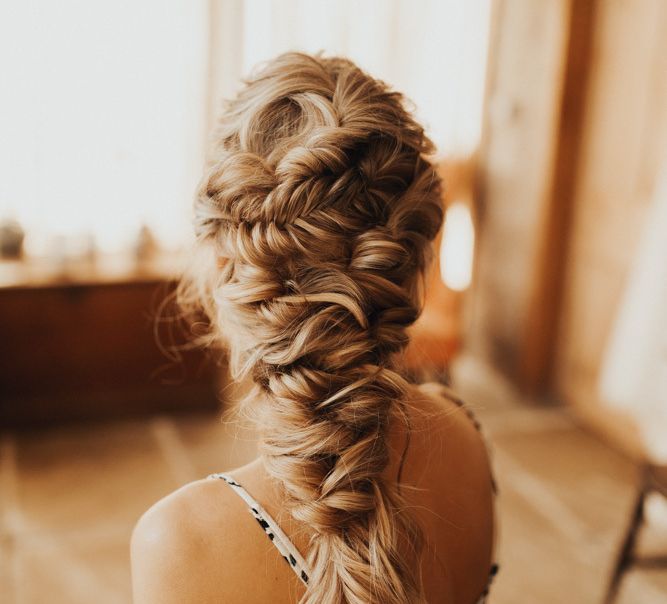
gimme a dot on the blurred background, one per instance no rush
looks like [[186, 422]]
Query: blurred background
[[547, 307]]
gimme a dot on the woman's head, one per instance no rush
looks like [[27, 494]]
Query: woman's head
[[316, 216]]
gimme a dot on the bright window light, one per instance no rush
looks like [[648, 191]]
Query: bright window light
[[458, 243], [105, 106], [432, 50], [102, 118]]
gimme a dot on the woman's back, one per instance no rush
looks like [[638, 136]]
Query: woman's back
[[202, 545]]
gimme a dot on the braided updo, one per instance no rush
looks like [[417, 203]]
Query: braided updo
[[317, 213]]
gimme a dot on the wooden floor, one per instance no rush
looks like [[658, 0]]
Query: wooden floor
[[70, 496]]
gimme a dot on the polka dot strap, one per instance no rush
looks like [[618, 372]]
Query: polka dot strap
[[271, 528]]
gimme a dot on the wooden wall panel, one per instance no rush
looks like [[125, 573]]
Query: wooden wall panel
[[527, 60], [626, 118]]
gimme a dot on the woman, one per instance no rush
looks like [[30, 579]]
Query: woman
[[314, 227]]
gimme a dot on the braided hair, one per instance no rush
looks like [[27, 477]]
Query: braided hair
[[317, 212]]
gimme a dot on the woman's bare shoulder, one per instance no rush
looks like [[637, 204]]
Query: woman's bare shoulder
[[451, 463], [450, 437], [441, 416], [184, 545]]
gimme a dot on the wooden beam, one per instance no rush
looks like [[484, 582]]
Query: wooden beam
[[526, 73], [537, 349]]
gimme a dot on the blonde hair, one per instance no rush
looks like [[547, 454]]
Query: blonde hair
[[315, 219]]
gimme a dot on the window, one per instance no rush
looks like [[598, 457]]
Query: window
[[106, 106]]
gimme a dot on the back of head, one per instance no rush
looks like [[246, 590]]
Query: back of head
[[316, 216]]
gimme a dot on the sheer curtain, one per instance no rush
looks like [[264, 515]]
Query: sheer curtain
[[105, 107], [634, 372], [433, 50]]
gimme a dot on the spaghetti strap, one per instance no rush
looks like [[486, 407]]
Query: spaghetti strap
[[282, 542]]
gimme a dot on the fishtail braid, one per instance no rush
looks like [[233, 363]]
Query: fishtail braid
[[319, 207]]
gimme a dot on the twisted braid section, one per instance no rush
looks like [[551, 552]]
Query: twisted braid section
[[321, 206]]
